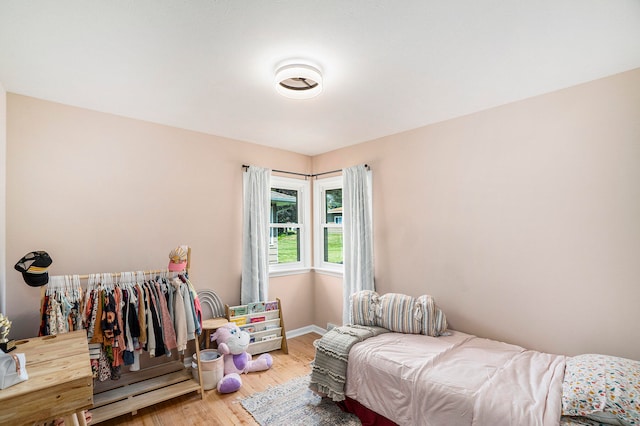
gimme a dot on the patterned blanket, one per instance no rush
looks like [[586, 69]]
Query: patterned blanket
[[329, 372]]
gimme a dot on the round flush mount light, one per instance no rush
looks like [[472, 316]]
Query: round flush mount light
[[298, 81]]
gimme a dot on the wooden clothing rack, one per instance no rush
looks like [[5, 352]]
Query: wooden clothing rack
[[159, 382]]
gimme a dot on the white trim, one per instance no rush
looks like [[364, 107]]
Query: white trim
[[319, 188], [305, 330], [330, 272], [285, 272], [303, 225]]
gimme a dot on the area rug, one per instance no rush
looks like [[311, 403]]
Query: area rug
[[293, 403]]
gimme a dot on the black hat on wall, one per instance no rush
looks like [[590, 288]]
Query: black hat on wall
[[34, 266]]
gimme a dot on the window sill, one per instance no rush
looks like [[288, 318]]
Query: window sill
[[331, 272], [285, 272]]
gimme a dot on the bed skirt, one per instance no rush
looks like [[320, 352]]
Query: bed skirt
[[367, 416]]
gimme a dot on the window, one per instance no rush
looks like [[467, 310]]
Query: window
[[289, 225], [328, 224]]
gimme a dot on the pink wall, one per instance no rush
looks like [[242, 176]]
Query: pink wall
[[297, 298], [327, 291], [522, 220], [102, 193], [3, 190]]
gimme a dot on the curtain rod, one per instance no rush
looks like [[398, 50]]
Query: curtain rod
[[244, 166]]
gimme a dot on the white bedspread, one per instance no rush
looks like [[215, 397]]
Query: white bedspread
[[455, 380]]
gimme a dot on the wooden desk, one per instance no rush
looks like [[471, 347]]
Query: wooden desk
[[60, 383]]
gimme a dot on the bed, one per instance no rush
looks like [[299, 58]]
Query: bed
[[386, 370]]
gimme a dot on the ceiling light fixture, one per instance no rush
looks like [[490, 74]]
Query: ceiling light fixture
[[298, 81]]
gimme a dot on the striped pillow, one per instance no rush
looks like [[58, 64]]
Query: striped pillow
[[433, 321], [363, 307], [399, 313]]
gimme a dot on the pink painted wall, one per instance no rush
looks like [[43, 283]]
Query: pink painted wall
[[523, 221], [102, 193], [327, 291], [3, 190]]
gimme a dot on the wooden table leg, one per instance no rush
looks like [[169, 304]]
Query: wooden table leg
[[71, 420], [82, 419], [77, 419]]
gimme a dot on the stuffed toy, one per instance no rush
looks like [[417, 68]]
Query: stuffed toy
[[232, 344]]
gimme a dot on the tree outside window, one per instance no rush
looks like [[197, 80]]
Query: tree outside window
[[289, 238]]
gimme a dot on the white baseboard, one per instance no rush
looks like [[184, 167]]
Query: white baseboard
[[305, 330]]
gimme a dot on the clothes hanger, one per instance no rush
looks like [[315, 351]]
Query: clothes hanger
[[77, 287]]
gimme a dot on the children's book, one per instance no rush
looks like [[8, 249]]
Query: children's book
[[257, 319], [271, 306], [256, 307], [235, 311], [239, 321]]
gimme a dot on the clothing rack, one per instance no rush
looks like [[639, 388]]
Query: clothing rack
[[244, 166], [149, 272], [150, 385]]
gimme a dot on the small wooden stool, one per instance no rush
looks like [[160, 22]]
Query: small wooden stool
[[211, 325]]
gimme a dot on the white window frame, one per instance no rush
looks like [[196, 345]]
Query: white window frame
[[320, 186], [304, 226]]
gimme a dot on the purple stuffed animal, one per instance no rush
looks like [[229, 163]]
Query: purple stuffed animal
[[233, 343]]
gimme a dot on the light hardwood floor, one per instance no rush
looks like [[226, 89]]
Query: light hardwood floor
[[217, 409]]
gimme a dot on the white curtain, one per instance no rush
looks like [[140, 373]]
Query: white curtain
[[358, 234], [255, 236]]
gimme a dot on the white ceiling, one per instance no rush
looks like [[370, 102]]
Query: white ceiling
[[389, 66]]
